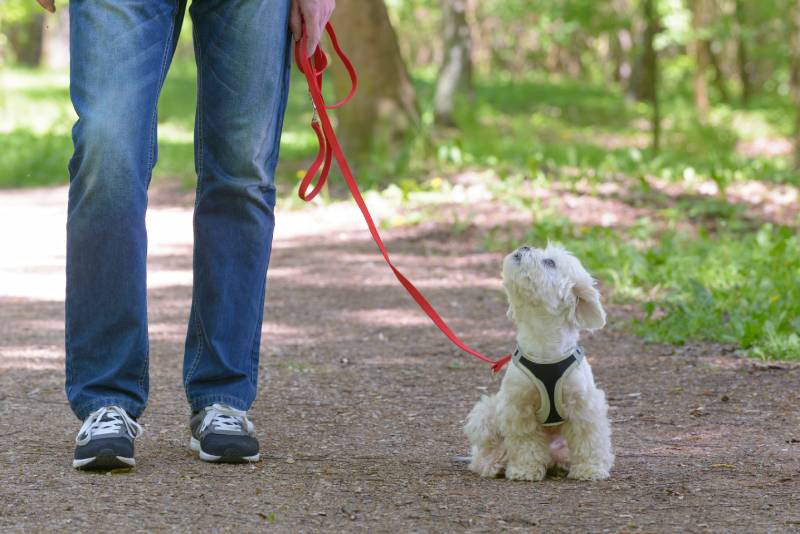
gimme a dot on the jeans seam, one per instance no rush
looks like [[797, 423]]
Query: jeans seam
[[196, 360], [145, 368], [254, 351], [279, 110], [67, 363], [152, 142], [280, 106], [199, 140], [162, 76], [199, 112]]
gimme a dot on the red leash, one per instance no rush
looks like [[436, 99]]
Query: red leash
[[329, 148]]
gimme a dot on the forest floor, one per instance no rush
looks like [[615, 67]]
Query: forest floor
[[361, 400]]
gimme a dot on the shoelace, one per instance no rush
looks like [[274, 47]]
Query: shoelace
[[107, 420], [223, 417]]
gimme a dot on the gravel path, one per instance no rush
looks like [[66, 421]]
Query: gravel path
[[361, 401]]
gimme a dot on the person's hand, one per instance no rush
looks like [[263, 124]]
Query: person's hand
[[315, 13], [49, 5]]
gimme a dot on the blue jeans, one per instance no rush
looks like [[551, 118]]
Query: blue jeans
[[121, 50]]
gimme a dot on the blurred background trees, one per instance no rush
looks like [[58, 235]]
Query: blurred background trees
[[721, 52], [455, 75], [419, 61]]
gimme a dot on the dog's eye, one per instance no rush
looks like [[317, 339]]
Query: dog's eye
[[549, 263]]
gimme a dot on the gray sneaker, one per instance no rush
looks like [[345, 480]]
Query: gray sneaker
[[223, 434], [105, 440]]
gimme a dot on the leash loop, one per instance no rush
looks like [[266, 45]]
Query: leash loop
[[329, 148]]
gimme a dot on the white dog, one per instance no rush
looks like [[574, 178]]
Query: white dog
[[548, 393]]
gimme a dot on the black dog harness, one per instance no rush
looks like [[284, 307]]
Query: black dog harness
[[549, 379]]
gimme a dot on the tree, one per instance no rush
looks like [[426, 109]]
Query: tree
[[384, 109], [719, 75], [25, 39], [455, 75], [794, 25], [640, 81], [650, 63], [699, 49], [742, 55]]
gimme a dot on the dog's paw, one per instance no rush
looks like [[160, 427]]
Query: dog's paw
[[486, 469], [531, 473], [587, 472]]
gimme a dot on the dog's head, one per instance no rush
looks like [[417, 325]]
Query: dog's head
[[551, 281]]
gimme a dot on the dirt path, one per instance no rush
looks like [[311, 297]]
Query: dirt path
[[361, 401]]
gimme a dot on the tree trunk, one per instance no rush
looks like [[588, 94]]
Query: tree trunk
[[699, 49], [742, 56], [455, 75], [650, 64], [640, 80], [795, 76], [621, 45], [719, 75], [25, 40], [384, 108]]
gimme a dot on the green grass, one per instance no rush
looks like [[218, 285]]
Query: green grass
[[736, 284]]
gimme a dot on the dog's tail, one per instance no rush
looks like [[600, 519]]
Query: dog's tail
[[483, 431]]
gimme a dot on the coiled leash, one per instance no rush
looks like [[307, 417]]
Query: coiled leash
[[329, 148]]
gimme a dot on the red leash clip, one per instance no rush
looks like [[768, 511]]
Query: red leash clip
[[329, 148]]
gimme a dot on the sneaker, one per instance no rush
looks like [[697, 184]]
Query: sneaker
[[105, 440], [223, 434]]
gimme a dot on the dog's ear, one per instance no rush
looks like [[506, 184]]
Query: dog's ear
[[588, 313]]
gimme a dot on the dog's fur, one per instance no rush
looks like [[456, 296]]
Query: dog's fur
[[550, 303]]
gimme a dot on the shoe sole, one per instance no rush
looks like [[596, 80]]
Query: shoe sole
[[194, 444], [103, 462]]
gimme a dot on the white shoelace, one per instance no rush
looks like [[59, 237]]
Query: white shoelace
[[115, 417], [223, 417]]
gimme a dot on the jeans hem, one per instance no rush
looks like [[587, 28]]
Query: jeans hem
[[198, 403], [83, 411]]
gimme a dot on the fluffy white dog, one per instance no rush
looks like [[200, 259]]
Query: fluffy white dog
[[548, 394]]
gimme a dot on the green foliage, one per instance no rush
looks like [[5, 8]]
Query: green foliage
[[568, 130], [14, 11]]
